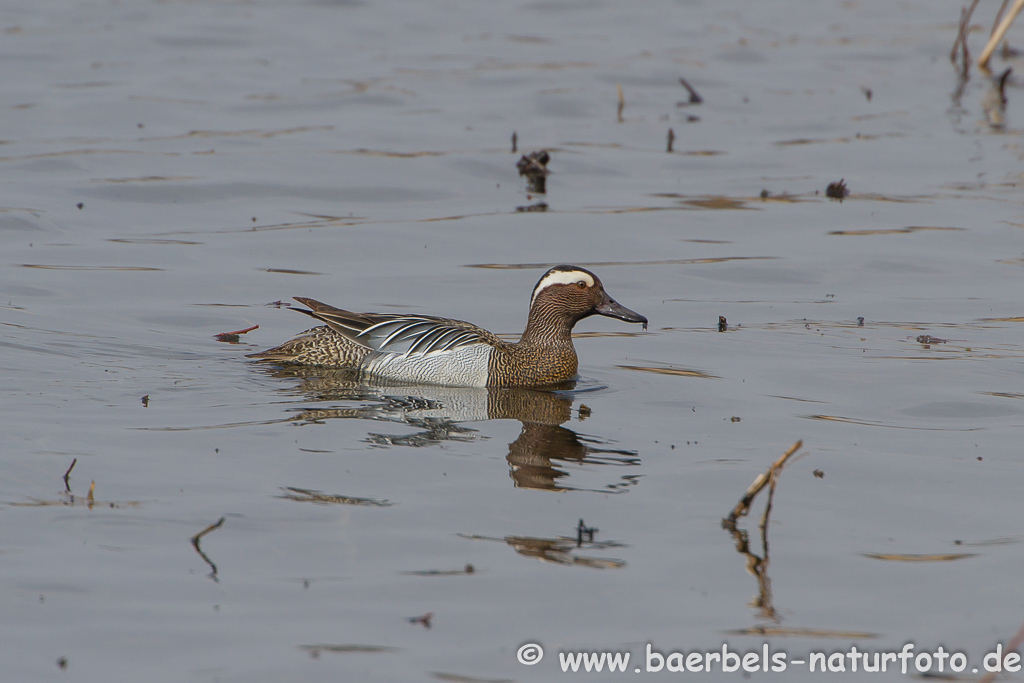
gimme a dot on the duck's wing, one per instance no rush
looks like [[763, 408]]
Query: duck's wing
[[398, 333]]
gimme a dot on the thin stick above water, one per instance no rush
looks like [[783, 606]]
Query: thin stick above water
[[961, 36], [762, 480], [998, 34], [695, 97], [199, 536], [67, 484]]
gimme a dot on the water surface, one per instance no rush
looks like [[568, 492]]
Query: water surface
[[179, 170]]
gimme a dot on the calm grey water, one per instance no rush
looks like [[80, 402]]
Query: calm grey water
[[172, 169]]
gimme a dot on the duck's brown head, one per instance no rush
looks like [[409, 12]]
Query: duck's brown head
[[573, 293]]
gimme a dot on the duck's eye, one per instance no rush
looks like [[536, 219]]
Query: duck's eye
[[581, 284]]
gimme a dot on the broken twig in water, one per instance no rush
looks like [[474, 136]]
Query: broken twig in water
[[198, 537], [997, 34], [232, 337], [695, 98], [762, 480], [195, 544], [535, 167], [423, 619], [961, 37], [758, 566], [584, 530], [67, 484]]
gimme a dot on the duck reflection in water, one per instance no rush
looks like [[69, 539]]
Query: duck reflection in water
[[560, 550], [439, 414]]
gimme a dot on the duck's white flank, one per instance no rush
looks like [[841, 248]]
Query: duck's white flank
[[561, 277], [465, 366]]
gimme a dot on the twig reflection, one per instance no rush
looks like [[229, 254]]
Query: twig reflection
[[758, 566]]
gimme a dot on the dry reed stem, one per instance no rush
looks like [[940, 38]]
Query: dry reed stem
[[67, 484], [998, 33], [999, 15], [762, 480], [195, 544], [199, 536]]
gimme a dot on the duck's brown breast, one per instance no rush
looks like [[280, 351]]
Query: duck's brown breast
[[531, 365]]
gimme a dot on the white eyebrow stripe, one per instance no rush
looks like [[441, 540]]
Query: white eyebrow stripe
[[561, 277]]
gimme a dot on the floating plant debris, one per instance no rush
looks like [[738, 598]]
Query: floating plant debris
[[228, 337], [535, 167], [927, 339], [695, 98], [837, 190]]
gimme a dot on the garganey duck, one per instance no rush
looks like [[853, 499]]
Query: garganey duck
[[425, 349]]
